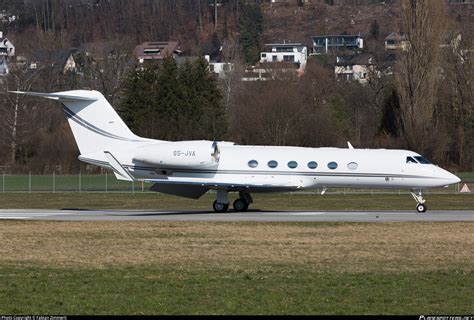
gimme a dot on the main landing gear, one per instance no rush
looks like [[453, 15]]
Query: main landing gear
[[222, 203], [421, 206]]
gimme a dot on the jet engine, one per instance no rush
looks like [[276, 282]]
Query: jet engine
[[190, 154]]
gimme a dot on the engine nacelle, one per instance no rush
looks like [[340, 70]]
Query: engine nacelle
[[193, 154]]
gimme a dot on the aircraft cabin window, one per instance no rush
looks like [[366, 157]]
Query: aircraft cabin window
[[312, 164], [422, 160], [411, 160], [352, 166], [292, 164], [332, 165], [253, 163], [272, 164]]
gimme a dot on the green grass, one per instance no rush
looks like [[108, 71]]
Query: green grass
[[296, 201], [268, 290], [235, 268]]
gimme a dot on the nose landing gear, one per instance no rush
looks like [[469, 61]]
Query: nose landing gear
[[421, 206]]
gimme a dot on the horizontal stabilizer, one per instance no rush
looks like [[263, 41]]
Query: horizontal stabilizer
[[183, 190], [119, 171], [60, 96]]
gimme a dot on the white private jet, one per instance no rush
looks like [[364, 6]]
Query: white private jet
[[191, 168]]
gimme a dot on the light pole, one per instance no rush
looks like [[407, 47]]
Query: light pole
[[215, 5]]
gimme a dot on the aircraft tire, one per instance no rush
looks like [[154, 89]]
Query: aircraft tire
[[220, 207], [421, 207], [241, 205]]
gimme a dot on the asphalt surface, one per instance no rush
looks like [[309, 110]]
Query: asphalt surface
[[263, 216]]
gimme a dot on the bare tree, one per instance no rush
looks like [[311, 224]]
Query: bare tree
[[419, 69], [14, 114]]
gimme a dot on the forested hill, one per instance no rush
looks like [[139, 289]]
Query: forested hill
[[412, 99], [191, 22]]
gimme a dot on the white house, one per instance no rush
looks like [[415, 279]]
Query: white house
[[337, 43], [7, 50], [356, 68], [219, 68], [396, 41], [286, 52]]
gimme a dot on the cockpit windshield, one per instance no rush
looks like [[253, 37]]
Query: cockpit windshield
[[418, 159], [411, 160], [422, 160]]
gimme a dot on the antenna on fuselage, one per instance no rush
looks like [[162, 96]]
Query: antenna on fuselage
[[349, 145]]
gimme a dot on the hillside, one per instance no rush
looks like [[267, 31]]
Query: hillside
[[298, 24]]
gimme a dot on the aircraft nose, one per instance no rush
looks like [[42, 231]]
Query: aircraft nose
[[456, 179], [451, 178]]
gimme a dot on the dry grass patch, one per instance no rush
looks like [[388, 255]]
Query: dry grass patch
[[344, 247]]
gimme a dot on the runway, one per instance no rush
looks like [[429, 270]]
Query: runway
[[251, 216]]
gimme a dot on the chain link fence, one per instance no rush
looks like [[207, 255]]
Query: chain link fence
[[107, 182], [69, 183]]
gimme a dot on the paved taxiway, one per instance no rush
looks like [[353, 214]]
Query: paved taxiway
[[264, 216]]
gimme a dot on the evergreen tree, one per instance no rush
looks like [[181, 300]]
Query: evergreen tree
[[169, 99], [250, 27], [375, 29], [170, 102], [139, 91], [390, 113], [215, 47], [208, 98]]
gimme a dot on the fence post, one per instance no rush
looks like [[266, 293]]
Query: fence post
[[3, 182], [133, 187], [54, 183], [80, 187], [106, 182], [29, 182]]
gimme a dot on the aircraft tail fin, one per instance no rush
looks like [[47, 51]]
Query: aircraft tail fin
[[95, 124]]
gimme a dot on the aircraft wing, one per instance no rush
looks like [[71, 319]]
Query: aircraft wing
[[196, 189]]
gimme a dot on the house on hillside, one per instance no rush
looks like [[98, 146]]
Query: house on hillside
[[337, 43], [6, 17], [294, 53], [62, 61], [156, 50], [357, 68], [221, 69], [396, 41], [7, 51]]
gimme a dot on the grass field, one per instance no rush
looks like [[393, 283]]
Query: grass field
[[235, 268]]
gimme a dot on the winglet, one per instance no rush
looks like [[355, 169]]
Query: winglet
[[119, 171], [349, 145]]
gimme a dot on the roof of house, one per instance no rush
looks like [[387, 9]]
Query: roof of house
[[56, 59], [360, 59], [396, 36], [337, 35], [156, 49], [54, 56], [4, 40], [296, 44]]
